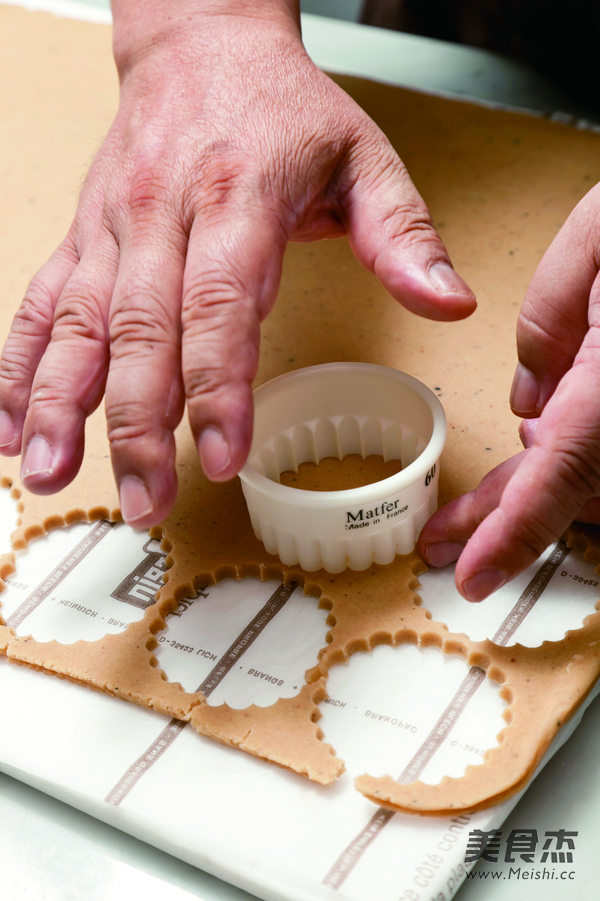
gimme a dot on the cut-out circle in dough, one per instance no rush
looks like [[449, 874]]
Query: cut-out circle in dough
[[226, 642], [50, 596], [554, 596], [374, 714]]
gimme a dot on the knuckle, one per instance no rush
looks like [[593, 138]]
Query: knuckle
[[407, 220], [203, 383], [34, 317], [218, 369], [147, 182], [217, 177], [219, 373], [142, 319], [15, 365], [78, 315], [134, 435], [224, 336], [542, 324], [216, 291], [139, 197], [577, 467], [29, 335], [128, 421], [54, 388], [534, 534], [409, 224], [147, 192]]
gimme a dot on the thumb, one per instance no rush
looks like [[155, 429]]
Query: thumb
[[555, 315], [391, 233]]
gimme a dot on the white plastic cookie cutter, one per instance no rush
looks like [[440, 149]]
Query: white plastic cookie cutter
[[333, 410]]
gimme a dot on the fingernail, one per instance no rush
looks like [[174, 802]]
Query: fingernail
[[38, 460], [7, 429], [446, 280], [135, 499], [215, 455], [525, 392], [484, 583], [441, 553], [527, 430]]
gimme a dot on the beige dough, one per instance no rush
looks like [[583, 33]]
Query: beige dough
[[499, 186], [332, 474]]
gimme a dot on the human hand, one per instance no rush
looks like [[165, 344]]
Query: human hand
[[526, 503], [228, 142]]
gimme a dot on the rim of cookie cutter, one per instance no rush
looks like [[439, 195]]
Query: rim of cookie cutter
[[332, 410]]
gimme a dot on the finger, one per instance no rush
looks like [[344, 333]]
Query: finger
[[144, 395], [26, 343], [445, 535], [232, 274], [559, 475], [70, 378], [527, 430], [554, 318], [392, 234], [590, 512]]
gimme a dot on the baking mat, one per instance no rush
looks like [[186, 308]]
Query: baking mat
[[499, 186], [410, 711]]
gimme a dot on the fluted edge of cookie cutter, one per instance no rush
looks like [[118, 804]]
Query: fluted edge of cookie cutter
[[331, 410]]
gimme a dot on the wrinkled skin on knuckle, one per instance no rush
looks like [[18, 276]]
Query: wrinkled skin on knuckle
[[205, 383], [152, 195], [142, 320], [33, 321], [406, 220], [129, 420], [221, 333], [578, 468], [553, 334], [79, 316], [410, 222], [220, 169], [53, 394], [304, 174], [534, 534], [16, 368], [35, 314], [217, 366], [224, 353], [133, 182], [212, 296]]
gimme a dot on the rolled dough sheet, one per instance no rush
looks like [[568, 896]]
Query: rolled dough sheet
[[499, 186]]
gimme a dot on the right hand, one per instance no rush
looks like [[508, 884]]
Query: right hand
[[228, 143], [521, 507]]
